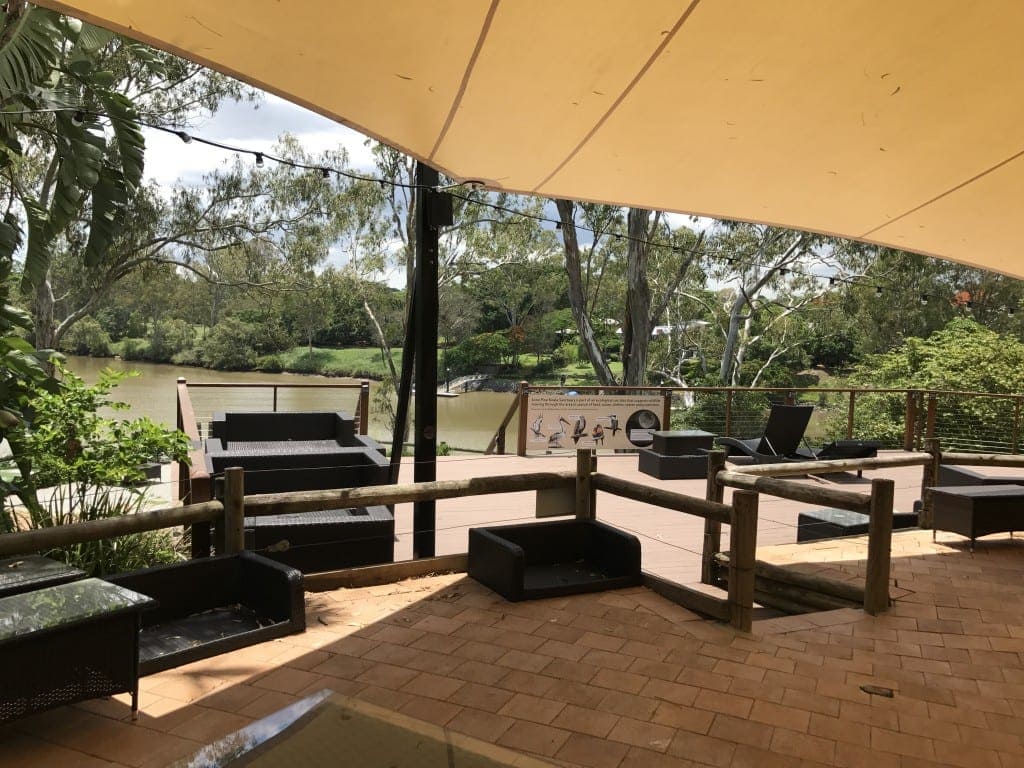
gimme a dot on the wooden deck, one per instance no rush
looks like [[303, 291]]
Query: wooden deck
[[623, 679]]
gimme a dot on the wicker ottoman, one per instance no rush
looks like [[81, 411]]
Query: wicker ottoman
[[325, 541]]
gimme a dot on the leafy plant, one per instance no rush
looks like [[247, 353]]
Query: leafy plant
[[76, 465]]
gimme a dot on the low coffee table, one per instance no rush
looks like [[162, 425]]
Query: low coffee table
[[978, 510], [24, 574], [67, 643]]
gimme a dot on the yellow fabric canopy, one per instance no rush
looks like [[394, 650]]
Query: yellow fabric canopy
[[899, 123]]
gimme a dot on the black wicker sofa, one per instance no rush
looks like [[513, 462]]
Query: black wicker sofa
[[214, 605]]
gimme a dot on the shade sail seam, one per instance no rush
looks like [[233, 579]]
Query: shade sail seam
[[621, 97], [466, 75], [945, 193]]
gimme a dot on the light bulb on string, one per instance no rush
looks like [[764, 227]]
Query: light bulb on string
[[924, 298], [184, 137], [878, 291], [259, 159]]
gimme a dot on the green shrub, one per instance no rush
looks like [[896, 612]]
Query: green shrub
[[134, 349], [86, 337], [169, 338], [90, 465], [230, 346], [270, 364]]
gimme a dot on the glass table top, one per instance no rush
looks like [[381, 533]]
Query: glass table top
[[63, 605], [18, 574]]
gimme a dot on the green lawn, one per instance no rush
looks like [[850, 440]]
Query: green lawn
[[357, 362]]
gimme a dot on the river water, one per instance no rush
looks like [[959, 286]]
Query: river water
[[465, 422]]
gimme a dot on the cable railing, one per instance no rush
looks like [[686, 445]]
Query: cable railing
[[897, 418]]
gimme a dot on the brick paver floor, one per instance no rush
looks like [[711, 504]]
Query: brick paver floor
[[625, 678]]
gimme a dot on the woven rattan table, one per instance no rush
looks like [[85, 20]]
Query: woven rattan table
[[67, 643]]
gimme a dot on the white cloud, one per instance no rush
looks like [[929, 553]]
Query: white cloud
[[255, 127]]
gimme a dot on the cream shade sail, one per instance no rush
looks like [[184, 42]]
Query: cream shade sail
[[900, 123]]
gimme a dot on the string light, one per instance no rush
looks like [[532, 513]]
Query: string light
[[924, 298], [1011, 311], [473, 185], [878, 290]]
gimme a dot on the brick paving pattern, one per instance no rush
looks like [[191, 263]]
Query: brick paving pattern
[[625, 679]]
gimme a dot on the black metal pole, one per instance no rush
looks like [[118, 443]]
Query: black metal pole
[[425, 330]]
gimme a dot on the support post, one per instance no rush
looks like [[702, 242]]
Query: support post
[[933, 408], [234, 510], [586, 494], [712, 528], [216, 538], [524, 402], [1016, 425], [929, 478], [790, 398], [742, 553], [728, 413], [666, 415], [909, 420], [876, 584], [275, 399], [850, 411], [429, 218], [364, 407]]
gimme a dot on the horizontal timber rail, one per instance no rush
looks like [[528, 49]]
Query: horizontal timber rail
[[984, 459], [787, 489], [680, 502], [312, 501], [43, 539], [841, 465]]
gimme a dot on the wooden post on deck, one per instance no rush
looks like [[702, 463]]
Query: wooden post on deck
[[930, 477], [876, 583], [234, 510], [586, 494], [742, 550], [909, 420], [712, 528]]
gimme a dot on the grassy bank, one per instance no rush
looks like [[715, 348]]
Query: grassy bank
[[368, 363]]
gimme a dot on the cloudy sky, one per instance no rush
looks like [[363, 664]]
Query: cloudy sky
[[251, 126]]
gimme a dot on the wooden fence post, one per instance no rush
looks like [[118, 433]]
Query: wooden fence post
[[234, 510], [851, 412], [929, 478], [728, 413], [586, 494], [933, 408], [712, 528], [666, 419], [524, 401], [876, 583], [909, 420], [742, 550]]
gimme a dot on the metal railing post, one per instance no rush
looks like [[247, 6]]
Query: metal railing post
[[364, 407], [929, 478], [524, 401]]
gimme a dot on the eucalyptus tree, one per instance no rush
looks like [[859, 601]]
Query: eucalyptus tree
[[641, 242], [73, 98]]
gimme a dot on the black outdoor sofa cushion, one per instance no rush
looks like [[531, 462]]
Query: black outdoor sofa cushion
[[214, 605]]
